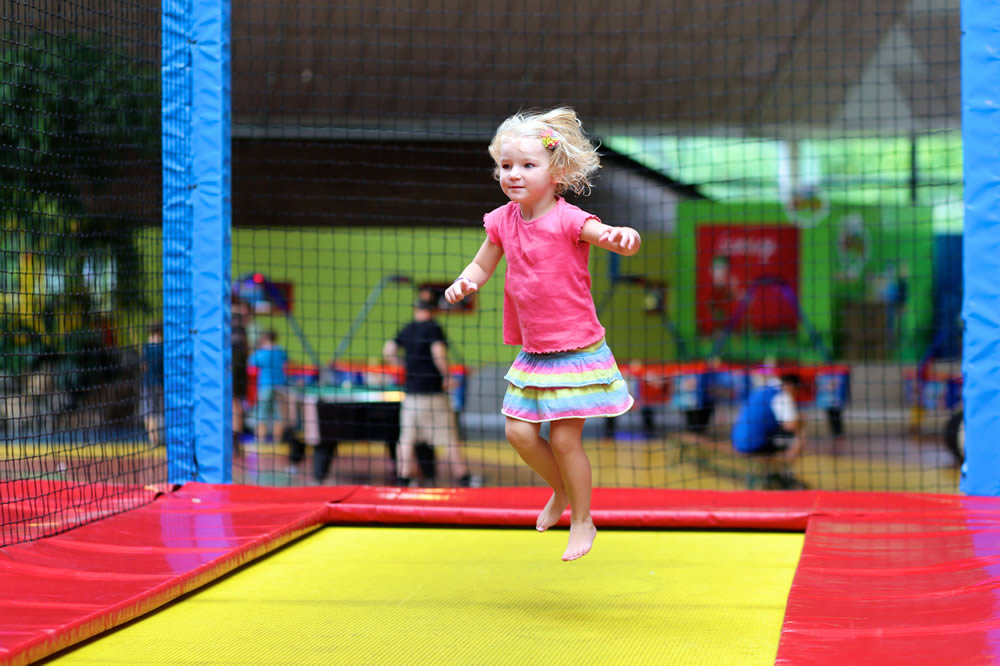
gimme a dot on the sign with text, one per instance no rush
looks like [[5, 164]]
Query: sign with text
[[747, 275]]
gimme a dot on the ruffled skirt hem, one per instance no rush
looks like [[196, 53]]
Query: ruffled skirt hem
[[541, 405], [584, 383]]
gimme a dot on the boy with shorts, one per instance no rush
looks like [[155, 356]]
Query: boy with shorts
[[270, 360], [426, 413], [769, 424]]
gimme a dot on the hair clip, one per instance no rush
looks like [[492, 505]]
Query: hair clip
[[549, 139]]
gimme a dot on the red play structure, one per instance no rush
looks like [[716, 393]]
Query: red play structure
[[883, 578]]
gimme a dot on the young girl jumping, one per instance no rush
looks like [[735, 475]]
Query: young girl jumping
[[564, 372]]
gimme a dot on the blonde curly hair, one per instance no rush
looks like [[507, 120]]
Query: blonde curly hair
[[573, 158]]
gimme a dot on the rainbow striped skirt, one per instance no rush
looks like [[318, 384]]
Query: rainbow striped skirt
[[575, 384]]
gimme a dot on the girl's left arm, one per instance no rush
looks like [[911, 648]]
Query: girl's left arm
[[623, 240]]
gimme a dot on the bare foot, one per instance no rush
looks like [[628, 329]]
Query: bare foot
[[551, 513], [581, 538]]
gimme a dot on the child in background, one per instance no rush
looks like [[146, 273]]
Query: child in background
[[769, 423], [152, 383], [240, 320], [565, 371], [270, 360], [426, 413]]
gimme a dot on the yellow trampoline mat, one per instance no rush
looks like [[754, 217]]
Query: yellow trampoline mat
[[394, 595]]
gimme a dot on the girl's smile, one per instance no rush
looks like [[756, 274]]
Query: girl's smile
[[525, 177]]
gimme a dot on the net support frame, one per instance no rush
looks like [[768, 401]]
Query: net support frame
[[980, 21], [197, 212]]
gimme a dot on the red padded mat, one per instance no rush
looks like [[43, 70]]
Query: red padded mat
[[884, 578]]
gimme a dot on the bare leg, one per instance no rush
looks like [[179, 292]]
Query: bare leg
[[695, 439], [455, 459], [794, 451], [237, 427], [405, 461], [567, 447], [456, 462], [279, 421], [261, 426], [153, 430], [535, 451]]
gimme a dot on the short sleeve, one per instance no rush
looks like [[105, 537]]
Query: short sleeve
[[573, 223], [784, 408], [439, 334], [491, 221]]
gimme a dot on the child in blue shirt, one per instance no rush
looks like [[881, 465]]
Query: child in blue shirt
[[769, 424], [769, 421], [270, 360]]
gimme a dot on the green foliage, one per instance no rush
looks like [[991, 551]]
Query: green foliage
[[69, 109], [75, 117]]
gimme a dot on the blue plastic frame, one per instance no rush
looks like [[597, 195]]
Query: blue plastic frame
[[981, 245]]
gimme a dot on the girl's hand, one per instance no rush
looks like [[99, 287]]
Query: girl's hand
[[459, 289], [625, 239]]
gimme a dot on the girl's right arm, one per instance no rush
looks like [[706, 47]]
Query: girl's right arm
[[476, 273]]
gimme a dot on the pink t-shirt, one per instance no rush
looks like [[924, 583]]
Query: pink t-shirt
[[547, 305]]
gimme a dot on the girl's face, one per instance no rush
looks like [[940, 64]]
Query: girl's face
[[524, 172]]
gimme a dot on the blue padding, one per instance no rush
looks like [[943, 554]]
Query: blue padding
[[211, 203], [177, 224], [981, 247]]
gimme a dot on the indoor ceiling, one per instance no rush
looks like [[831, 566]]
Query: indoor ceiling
[[446, 65]]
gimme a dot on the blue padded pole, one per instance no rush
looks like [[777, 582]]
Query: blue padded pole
[[212, 208], [175, 79], [981, 245]]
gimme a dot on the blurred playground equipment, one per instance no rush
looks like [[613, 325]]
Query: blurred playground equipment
[[698, 385], [261, 294], [369, 303], [655, 294], [930, 389], [341, 400], [361, 404], [775, 290]]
